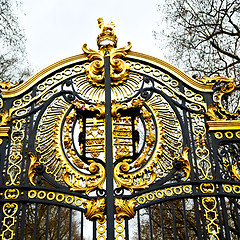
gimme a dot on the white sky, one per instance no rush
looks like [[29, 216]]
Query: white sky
[[56, 29]]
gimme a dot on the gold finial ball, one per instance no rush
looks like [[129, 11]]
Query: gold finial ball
[[107, 35]]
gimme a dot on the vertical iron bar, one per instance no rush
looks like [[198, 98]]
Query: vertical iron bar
[[225, 218], [198, 218], [81, 225], [139, 226], [94, 230], [59, 223], [162, 223], [126, 230], [70, 224], [174, 221], [185, 218], [35, 222], [220, 220], [237, 216], [150, 222], [47, 220], [108, 151], [23, 221]]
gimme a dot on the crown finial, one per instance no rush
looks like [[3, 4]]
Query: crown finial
[[107, 35]]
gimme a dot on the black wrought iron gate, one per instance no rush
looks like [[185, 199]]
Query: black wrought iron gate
[[114, 144]]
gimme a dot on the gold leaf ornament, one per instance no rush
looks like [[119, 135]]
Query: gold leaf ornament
[[125, 208], [95, 209]]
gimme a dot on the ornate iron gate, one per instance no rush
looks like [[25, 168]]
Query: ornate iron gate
[[122, 143]]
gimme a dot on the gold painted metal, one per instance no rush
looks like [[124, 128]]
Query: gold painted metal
[[121, 171], [186, 165], [52, 155], [198, 84], [8, 223], [167, 139], [202, 152], [4, 130], [119, 70], [211, 114], [33, 164], [223, 125], [35, 79], [211, 215], [15, 158], [125, 208], [107, 35], [4, 117], [228, 86], [95, 209]]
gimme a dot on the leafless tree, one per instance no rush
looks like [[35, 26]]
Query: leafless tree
[[14, 66], [203, 36]]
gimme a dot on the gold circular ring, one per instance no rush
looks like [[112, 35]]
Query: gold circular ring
[[229, 134], [150, 196], [51, 196], [218, 135], [67, 71], [69, 199], [227, 188], [177, 190], [32, 194], [41, 194], [137, 66], [159, 193], [147, 69], [236, 189], [121, 227], [60, 197], [78, 201], [187, 189], [156, 72], [103, 229], [168, 192], [238, 134], [141, 201]]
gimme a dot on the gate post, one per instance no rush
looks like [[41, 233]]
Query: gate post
[[108, 151]]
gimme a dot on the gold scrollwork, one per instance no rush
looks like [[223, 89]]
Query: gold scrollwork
[[31, 172], [15, 158], [4, 130], [49, 148], [163, 141], [211, 215], [119, 70], [9, 211], [11, 193], [125, 208], [202, 151], [228, 86], [4, 117], [211, 113], [7, 85], [186, 165], [95, 209]]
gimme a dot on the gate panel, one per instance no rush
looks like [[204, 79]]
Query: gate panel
[[120, 143]]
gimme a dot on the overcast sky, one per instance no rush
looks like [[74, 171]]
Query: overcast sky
[[56, 29]]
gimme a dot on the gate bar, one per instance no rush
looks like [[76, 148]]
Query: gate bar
[[108, 151]]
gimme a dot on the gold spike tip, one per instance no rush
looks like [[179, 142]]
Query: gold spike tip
[[107, 35]]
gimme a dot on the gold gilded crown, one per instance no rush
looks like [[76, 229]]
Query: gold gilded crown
[[107, 35]]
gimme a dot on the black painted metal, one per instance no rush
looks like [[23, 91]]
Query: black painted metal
[[162, 218], [109, 153]]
